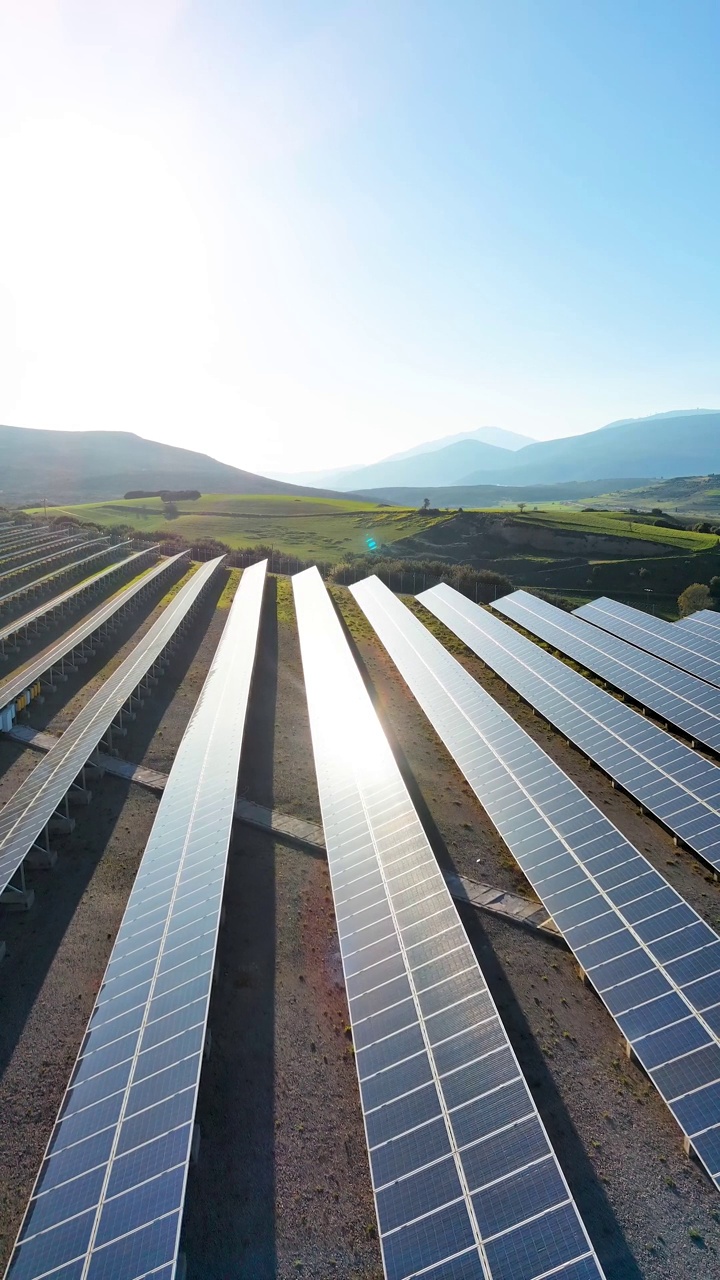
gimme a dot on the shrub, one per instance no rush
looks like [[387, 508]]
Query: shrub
[[696, 596]]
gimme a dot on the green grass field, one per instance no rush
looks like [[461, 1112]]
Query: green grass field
[[321, 528], [619, 523]]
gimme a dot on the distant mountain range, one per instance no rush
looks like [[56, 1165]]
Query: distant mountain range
[[499, 444], [86, 466], [681, 442], [89, 466]]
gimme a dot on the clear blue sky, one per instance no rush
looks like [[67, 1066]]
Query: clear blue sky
[[301, 234]]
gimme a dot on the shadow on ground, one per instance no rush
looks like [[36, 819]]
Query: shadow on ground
[[229, 1229]]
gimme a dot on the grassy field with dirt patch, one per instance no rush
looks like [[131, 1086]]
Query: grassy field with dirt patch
[[322, 528], [619, 524]]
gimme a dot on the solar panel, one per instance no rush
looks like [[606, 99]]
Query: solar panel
[[58, 653], [28, 811], [670, 780], [18, 537], [695, 655], [465, 1180], [678, 698], [75, 549], [650, 957], [38, 585], [45, 544], [31, 622], [108, 1201], [704, 618]]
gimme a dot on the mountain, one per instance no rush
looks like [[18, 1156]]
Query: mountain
[[486, 435], [439, 466], [682, 443], [657, 417], [346, 478], [491, 495], [89, 466]]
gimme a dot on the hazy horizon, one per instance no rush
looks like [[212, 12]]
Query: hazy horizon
[[307, 237]]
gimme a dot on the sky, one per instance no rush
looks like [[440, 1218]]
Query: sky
[[298, 234]]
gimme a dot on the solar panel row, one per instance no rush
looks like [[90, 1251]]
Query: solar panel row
[[655, 636], [466, 1183], [667, 777], [696, 628], [705, 617], [39, 585], [55, 654], [75, 551], [680, 699], [18, 558], [19, 536], [653, 961], [108, 1201], [42, 615], [29, 810]]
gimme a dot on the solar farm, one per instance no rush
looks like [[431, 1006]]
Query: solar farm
[[348, 934]]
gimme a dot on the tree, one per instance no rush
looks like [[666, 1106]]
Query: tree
[[521, 507], [696, 596], [426, 503]]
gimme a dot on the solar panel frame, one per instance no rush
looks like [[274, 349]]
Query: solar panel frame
[[11, 538], [608, 901], [43, 559], [27, 812], [39, 584], [461, 1166], [18, 681], [109, 1197], [676, 697], [690, 653], [41, 545], [73, 594], [672, 782]]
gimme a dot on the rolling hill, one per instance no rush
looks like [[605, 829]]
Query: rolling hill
[[67, 467], [492, 495], [383, 473], [439, 466], [678, 443]]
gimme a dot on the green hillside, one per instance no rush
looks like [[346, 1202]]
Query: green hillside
[[91, 466], [621, 524], [323, 528]]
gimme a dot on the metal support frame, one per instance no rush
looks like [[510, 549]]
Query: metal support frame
[[41, 856]]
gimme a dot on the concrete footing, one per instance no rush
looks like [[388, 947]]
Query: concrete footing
[[40, 859], [60, 825], [79, 795], [17, 899]]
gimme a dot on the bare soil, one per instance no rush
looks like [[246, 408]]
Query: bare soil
[[282, 1187]]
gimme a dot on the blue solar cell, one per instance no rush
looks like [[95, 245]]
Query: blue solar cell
[[138, 1134], [450, 1077], [633, 935], [678, 698], [684, 649]]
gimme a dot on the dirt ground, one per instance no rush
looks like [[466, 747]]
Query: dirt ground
[[282, 1187]]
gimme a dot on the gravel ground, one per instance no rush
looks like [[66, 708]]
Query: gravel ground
[[282, 1185]]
